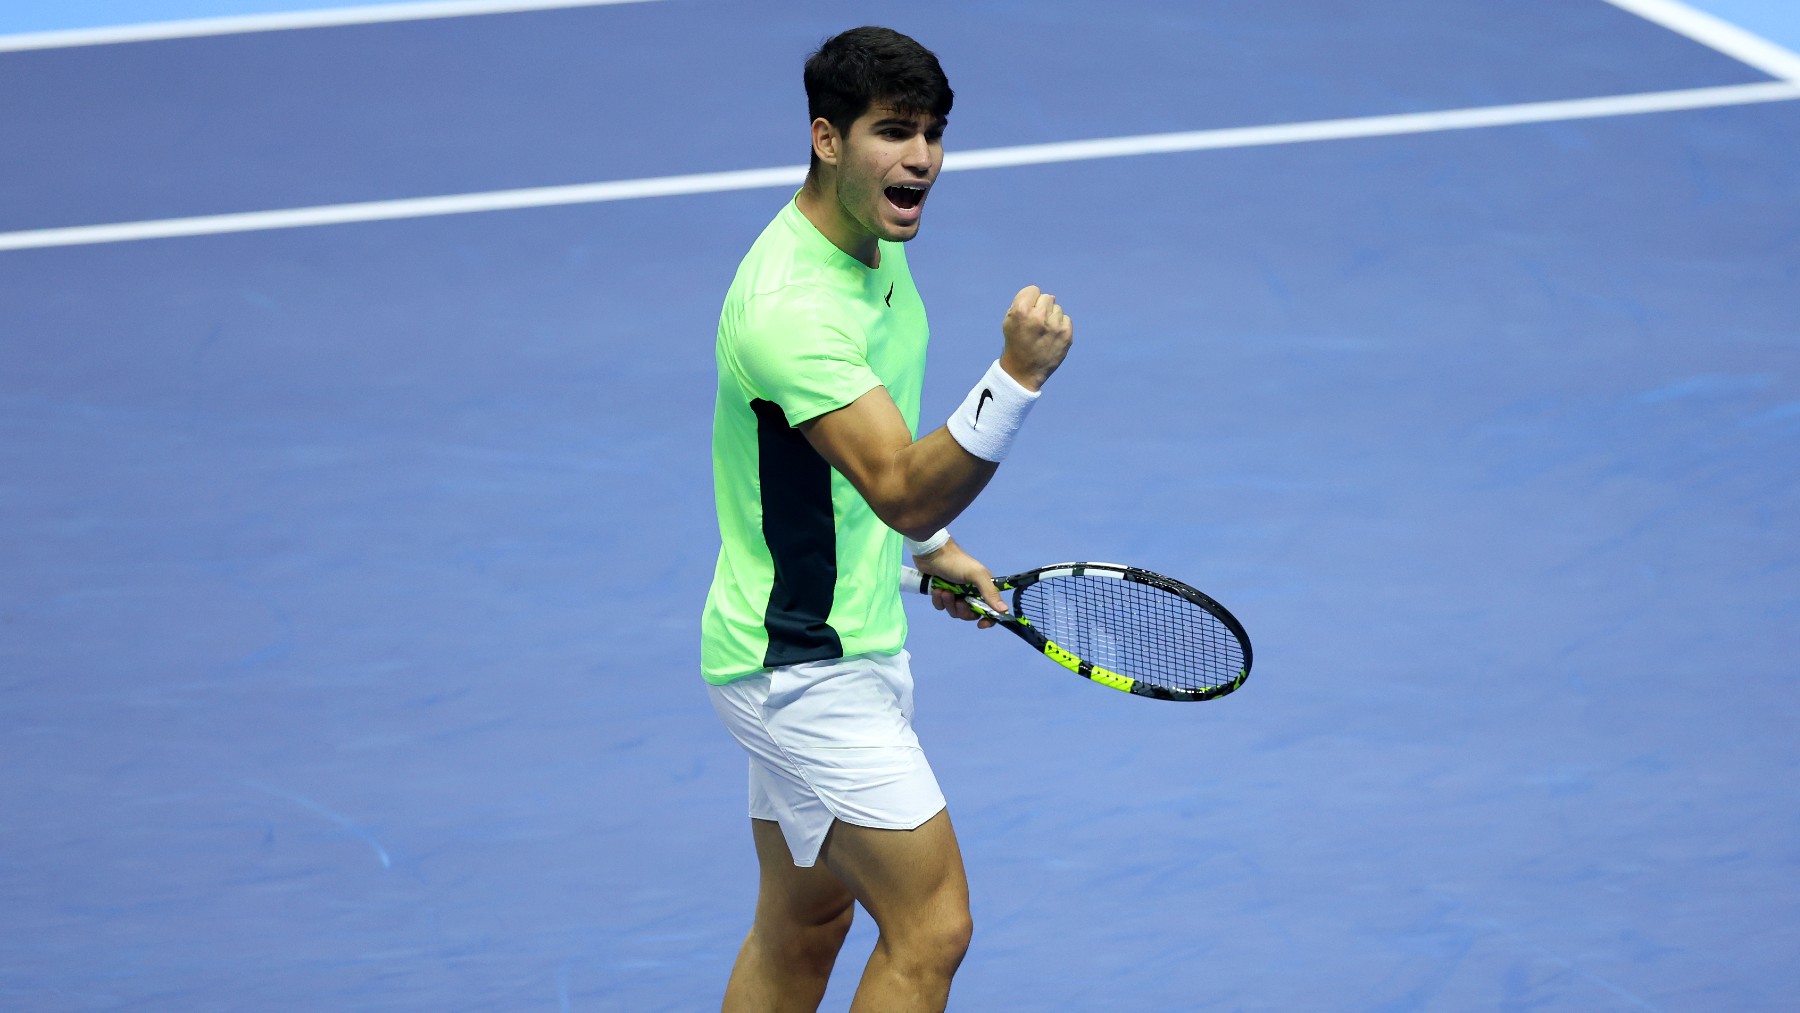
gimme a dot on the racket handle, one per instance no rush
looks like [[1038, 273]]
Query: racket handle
[[920, 583], [914, 581]]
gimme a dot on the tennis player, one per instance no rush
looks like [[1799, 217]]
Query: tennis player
[[819, 483]]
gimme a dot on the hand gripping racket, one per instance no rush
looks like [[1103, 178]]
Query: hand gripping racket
[[1136, 631]]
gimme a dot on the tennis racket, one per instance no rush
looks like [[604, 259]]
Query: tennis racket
[[1136, 631]]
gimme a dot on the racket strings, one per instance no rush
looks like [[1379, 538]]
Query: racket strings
[[1136, 630]]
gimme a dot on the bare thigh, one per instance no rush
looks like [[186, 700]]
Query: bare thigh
[[789, 895], [910, 881]]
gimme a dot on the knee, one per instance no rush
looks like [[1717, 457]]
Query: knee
[[831, 931], [816, 940], [937, 947], [954, 936]]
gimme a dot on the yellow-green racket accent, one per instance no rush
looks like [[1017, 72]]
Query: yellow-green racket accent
[[1126, 628]]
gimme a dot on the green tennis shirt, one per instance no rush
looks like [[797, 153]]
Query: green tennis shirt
[[806, 570]]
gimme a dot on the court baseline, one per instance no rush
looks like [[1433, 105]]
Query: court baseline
[[990, 158], [330, 17]]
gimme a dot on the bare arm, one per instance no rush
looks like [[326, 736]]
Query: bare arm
[[915, 488], [919, 487]]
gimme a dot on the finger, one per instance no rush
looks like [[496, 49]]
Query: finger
[[1027, 298], [941, 599], [990, 594], [1045, 303], [985, 622]]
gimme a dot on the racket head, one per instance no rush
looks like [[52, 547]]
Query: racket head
[[1132, 629]]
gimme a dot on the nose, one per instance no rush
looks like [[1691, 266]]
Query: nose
[[917, 155]]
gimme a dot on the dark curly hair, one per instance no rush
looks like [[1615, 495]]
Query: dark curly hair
[[856, 69]]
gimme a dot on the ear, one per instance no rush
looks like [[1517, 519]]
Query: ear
[[826, 141]]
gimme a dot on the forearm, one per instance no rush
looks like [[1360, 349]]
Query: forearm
[[919, 486], [929, 483]]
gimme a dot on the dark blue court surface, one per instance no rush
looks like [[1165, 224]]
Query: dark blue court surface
[[348, 632]]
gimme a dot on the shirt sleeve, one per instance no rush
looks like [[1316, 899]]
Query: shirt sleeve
[[799, 354]]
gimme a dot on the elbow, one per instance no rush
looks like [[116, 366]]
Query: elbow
[[909, 520], [919, 533]]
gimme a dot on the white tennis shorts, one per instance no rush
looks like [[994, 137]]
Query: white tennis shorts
[[831, 740]]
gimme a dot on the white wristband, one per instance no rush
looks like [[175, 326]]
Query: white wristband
[[991, 415], [929, 545]]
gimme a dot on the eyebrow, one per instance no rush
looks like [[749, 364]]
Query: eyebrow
[[909, 121]]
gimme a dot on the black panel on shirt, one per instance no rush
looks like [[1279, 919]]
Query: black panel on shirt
[[801, 533]]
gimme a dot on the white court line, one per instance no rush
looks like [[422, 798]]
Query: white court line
[[281, 21], [1372, 126], [990, 158], [1727, 38]]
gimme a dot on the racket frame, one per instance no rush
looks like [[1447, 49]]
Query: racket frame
[[1021, 625]]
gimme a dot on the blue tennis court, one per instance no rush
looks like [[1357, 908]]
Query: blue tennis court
[[356, 543]]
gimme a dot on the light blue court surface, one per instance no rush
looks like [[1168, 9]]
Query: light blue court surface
[[1775, 20], [52, 15], [348, 637]]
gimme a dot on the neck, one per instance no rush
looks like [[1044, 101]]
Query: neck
[[818, 201]]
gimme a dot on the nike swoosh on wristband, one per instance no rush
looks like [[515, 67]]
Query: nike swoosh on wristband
[[986, 395], [890, 295]]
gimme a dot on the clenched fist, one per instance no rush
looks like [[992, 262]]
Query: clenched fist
[[1038, 335]]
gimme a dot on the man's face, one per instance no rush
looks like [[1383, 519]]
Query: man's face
[[887, 162]]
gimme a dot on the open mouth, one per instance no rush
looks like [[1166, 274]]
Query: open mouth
[[905, 196]]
